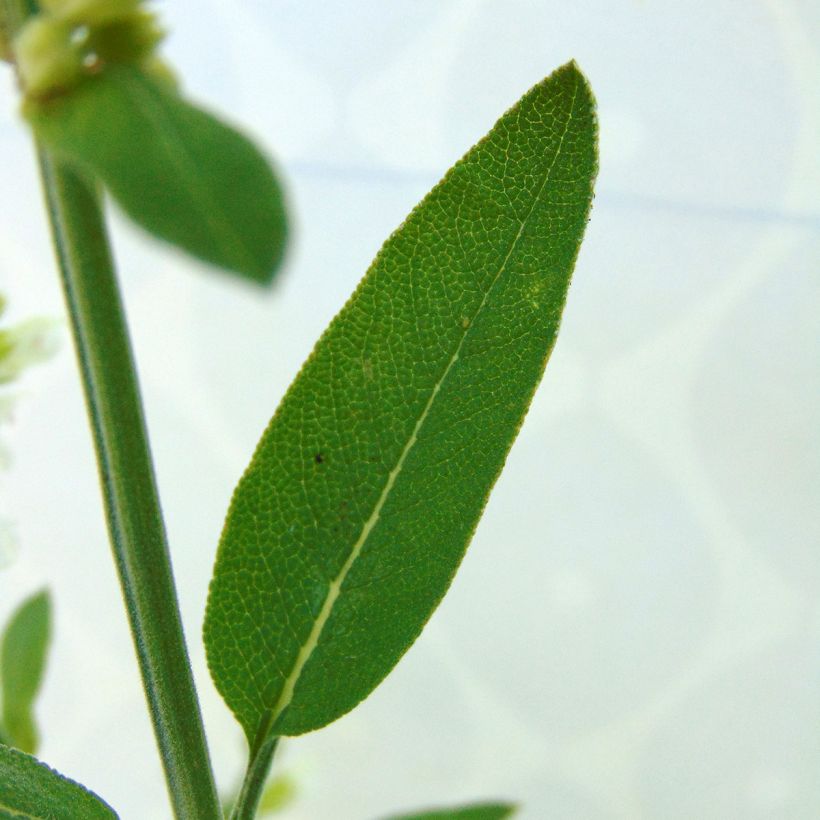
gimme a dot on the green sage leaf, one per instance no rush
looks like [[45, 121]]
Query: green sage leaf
[[22, 663], [177, 171], [351, 520], [482, 811], [30, 789]]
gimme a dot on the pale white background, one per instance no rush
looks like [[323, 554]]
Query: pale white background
[[634, 633]]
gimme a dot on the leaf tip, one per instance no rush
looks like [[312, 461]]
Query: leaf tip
[[42, 598], [571, 67], [269, 267], [573, 70]]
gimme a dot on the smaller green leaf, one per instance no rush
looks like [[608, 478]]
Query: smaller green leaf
[[30, 789], [22, 663], [177, 171], [480, 811]]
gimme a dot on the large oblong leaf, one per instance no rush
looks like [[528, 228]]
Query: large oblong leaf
[[351, 520], [29, 789], [22, 663], [177, 171]]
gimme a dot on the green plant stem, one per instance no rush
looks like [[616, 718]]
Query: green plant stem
[[257, 773], [134, 517], [135, 524]]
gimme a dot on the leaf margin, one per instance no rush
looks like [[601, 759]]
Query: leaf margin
[[17, 765]]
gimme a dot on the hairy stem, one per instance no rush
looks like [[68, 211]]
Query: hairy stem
[[135, 522]]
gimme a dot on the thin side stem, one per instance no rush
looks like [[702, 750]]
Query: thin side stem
[[135, 524], [259, 765]]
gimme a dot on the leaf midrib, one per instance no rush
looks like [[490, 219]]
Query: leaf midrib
[[334, 587]]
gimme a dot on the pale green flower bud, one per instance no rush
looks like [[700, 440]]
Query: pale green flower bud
[[128, 40], [47, 59]]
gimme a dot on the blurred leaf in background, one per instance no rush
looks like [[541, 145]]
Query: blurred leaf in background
[[98, 96], [279, 793], [174, 169], [23, 654]]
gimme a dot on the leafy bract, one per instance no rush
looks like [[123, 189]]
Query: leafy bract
[[30, 789], [179, 172], [22, 663], [350, 522], [482, 811]]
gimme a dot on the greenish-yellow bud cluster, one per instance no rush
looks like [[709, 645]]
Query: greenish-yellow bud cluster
[[46, 57], [72, 39]]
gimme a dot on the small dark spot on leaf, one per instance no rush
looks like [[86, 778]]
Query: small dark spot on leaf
[[318, 458]]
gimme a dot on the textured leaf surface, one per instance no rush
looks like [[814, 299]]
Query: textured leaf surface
[[22, 663], [483, 811], [352, 518], [30, 789], [177, 171]]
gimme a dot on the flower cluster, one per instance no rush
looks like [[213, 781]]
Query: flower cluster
[[73, 39]]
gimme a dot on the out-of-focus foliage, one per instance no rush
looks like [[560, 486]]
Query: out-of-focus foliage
[[23, 651]]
